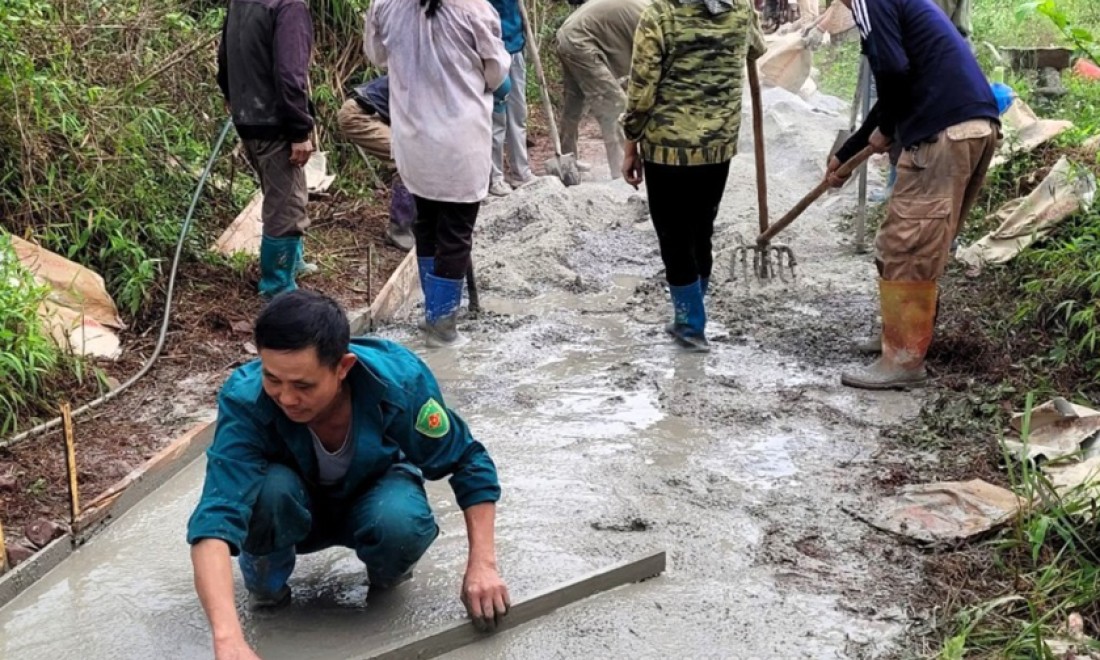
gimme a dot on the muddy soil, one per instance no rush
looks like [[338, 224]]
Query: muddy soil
[[209, 336]]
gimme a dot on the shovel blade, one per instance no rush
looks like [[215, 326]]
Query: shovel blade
[[564, 167], [570, 175]]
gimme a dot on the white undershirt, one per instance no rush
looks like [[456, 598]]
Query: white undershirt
[[333, 466]]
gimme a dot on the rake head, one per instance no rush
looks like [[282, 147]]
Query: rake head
[[769, 261]]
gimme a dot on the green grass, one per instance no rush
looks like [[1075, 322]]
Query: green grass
[[1048, 567], [28, 355]]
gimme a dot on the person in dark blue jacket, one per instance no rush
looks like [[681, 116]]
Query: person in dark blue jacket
[[325, 441], [934, 99]]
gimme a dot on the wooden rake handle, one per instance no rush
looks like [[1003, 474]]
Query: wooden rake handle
[[845, 171], [758, 146]]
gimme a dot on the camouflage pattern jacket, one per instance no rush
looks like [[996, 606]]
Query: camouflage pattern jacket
[[684, 97]]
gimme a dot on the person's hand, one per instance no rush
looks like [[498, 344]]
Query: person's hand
[[880, 142], [832, 173], [233, 649], [633, 171], [485, 596], [300, 152]]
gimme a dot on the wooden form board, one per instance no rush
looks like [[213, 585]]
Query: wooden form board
[[449, 637], [402, 286], [126, 492]]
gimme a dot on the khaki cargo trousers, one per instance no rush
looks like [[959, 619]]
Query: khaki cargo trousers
[[938, 183], [366, 130]]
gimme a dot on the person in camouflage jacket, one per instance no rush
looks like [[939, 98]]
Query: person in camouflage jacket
[[682, 121]]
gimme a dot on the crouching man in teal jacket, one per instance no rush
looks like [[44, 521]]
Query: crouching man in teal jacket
[[324, 441]]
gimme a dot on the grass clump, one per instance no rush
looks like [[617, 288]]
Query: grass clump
[[29, 357]]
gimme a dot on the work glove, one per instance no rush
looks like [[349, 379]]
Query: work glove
[[500, 95]]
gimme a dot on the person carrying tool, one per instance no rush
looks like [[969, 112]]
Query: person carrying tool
[[682, 121], [510, 126], [325, 441], [933, 97], [595, 45], [365, 120], [448, 68], [263, 73], [959, 13]]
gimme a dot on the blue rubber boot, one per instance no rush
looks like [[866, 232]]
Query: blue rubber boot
[[689, 317], [442, 296], [425, 266], [278, 262], [704, 284], [303, 268], [266, 576]]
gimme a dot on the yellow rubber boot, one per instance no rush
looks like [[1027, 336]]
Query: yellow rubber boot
[[908, 316]]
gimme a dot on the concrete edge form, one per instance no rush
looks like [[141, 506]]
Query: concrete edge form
[[122, 496], [111, 504], [391, 300], [453, 636], [27, 573]]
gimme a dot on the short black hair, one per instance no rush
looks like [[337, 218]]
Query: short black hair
[[300, 319]]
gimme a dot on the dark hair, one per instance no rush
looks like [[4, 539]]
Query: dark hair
[[432, 6], [299, 319]]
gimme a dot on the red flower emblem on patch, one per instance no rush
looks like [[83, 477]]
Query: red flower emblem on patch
[[434, 421]]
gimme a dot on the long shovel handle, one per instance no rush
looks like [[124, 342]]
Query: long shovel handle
[[471, 289], [533, 51], [845, 170], [758, 146]]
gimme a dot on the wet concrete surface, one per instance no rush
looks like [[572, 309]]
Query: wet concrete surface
[[610, 442]]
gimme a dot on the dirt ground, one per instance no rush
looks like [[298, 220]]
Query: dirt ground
[[209, 336]]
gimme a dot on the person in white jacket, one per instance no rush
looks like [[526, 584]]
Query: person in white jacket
[[448, 67]]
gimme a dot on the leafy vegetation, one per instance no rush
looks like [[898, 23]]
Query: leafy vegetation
[[28, 354]]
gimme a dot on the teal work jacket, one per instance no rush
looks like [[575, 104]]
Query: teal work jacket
[[391, 389]]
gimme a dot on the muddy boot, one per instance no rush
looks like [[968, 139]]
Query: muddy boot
[[871, 345], [442, 297], [278, 265], [265, 577], [402, 215], [689, 317], [908, 316], [303, 268]]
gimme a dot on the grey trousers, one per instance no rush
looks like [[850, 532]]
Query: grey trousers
[[510, 127], [283, 185]]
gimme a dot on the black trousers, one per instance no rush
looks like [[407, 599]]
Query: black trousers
[[445, 230], [683, 202]]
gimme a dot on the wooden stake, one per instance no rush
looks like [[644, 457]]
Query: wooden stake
[[3, 552], [70, 462]]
